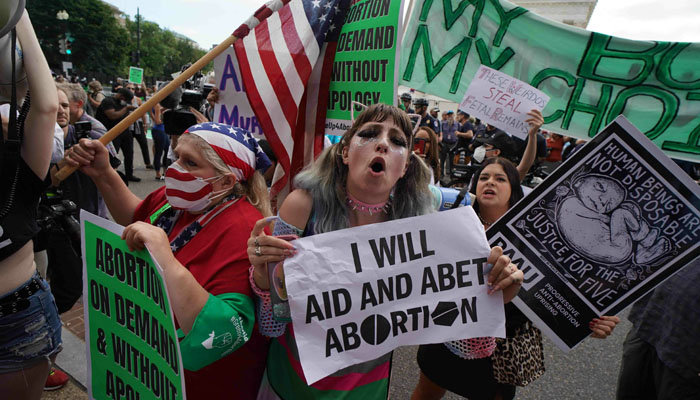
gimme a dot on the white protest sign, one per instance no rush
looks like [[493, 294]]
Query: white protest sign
[[357, 294], [233, 107], [502, 101]]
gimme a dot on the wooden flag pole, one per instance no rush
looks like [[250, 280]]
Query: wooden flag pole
[[66, 170]]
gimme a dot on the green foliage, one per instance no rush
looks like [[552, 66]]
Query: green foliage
[[103, 43]]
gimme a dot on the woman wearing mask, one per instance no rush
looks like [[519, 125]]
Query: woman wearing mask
[[196, 228], [447, 366], [426, 147], [370, 176]]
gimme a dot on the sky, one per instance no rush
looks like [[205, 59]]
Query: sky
[[210, 21]]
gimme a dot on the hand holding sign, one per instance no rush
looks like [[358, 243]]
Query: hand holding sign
[[264, 249], [140, 234], [502, 101], [504, 275]]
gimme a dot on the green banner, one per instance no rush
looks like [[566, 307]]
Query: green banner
[[133, 352], [591, 77], [136, 75], [364, 68]]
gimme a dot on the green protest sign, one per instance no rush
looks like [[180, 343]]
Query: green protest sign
[[364, 68], [136, 75], [591, 77], [132, 348]]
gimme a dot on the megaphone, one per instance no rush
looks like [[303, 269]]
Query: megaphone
[[10, 13]]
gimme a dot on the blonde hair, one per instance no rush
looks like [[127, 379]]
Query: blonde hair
[[95, 86], [254, 189]]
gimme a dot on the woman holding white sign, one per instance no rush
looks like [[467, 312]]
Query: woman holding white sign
[[370, 176], [471, 372], [196, 230]]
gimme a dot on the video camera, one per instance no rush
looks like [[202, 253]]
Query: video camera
[[193, 93]]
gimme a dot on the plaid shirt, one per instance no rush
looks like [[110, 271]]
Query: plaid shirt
[[669, 319]]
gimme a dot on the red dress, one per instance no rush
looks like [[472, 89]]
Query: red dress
[[216, 256]]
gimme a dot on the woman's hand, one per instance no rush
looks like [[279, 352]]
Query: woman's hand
[[140, 234], [603, 327], [263, 249], [504, 275], [213, 96], [91, 156], [535, 120]]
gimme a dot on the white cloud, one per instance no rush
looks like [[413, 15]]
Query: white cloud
[[666, 20]]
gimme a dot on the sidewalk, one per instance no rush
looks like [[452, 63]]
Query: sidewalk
[[72, 359]]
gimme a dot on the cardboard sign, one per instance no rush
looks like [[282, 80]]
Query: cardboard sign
[[609, 225], [591, 77], [357, 294], [136, 75], [233, 107], [502, 101], [132, 346], [365, 66]]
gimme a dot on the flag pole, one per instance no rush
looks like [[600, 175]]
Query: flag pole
[[66, 170]]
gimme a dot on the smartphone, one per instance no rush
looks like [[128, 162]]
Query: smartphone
[[419, 145], [82, 129], [278, 289]]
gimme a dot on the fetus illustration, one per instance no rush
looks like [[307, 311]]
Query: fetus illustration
[[598, 222]]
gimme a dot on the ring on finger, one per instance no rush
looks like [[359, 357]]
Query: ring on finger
[[256, 241], [257, 251]]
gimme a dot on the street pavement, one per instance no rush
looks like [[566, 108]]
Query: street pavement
[[587, 372]]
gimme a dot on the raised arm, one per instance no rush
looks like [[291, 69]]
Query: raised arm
[[37, 144], [92, 158], [536, 120], [94, 102]]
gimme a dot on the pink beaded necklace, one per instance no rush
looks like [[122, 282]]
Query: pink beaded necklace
[[371, 209]]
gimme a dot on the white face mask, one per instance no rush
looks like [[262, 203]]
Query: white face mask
[[185, 191], [479, 154]]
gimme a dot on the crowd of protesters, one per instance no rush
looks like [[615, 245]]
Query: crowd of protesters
[[216, 271]]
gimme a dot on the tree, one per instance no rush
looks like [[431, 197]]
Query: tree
[[101, 43], [162, 52]]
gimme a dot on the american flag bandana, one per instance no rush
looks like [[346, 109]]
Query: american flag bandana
[[237, 148]]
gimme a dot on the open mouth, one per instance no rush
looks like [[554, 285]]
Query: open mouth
[[377, 165], [489, 192]]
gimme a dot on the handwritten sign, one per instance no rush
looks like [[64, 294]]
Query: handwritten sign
[[502, 101], [411, 281], [132, 347], [136, 75], [610, 224], [233, 107]]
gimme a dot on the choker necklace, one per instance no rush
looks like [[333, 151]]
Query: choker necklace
[[358, 205], [486, 224]]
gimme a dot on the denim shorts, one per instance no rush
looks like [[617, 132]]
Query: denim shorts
[[32, 335]]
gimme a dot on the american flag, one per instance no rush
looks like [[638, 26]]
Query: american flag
[[285, 52]]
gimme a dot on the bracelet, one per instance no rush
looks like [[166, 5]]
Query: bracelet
[[262, 294]]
